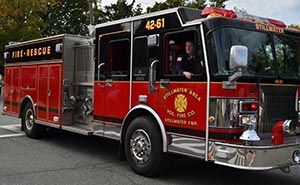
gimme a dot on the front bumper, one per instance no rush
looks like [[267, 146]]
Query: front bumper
[[254, 157]]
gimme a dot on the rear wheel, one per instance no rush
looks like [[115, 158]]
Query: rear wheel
[[31, 129], [143, 147]]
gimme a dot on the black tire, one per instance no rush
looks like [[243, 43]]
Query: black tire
[[144, 147], [31, 129]]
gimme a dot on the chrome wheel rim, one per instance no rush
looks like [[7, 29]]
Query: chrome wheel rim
[[29, 120], [140, 144]]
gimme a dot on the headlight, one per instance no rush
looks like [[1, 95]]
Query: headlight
[[247, 120], [296, 156], [249, 123]]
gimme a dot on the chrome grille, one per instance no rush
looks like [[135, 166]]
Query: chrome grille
[[277, 103], [84, 71], [83, 58]]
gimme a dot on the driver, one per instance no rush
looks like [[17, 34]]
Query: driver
[[185, 62]]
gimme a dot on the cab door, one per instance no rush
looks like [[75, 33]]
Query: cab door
[[146, 59], [183, 101], [111, 94]]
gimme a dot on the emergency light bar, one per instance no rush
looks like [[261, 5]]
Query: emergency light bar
[[218, 12]]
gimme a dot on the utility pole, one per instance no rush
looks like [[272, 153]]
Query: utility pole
[[91, 14]]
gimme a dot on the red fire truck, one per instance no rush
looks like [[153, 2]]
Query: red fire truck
[[240, 108]]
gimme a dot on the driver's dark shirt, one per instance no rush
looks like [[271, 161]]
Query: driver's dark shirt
[[185, 62]]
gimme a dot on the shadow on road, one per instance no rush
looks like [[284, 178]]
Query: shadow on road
[[182, 170]]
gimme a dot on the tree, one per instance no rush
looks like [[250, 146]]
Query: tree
[[121, 9], [218, 3], [238, 10], [165, 5], [21, 20], [294, 26], [67, 16], [198, 4]]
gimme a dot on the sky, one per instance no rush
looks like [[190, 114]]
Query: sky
[[287, 11]]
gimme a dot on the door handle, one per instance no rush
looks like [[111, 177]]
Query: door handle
[[98, 79], [49, 92], [108, 82], [152, 76]]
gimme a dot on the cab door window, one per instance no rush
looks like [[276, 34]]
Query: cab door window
[[140, 57], [119, 54], [183, 54]]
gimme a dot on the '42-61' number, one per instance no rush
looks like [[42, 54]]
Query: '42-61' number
[[155, 24]]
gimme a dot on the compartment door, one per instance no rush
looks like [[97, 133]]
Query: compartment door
[[49, 93], [12, 89], [42, 94], [54, 93]]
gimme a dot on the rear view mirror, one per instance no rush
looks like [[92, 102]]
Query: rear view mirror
[[153, 40], [238, 57], [238, 61], [6, 55]]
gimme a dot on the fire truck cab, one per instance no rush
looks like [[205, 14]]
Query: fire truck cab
[[239, 107]]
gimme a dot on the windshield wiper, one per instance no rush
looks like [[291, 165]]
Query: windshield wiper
[[256, 85], [259, 80]]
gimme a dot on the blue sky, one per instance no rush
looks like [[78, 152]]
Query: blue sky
[[287, 11]]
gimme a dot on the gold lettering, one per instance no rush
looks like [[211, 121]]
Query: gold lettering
[[175, 121], [31, 52], [44, 50], [191, 113], [181, 115], [48, 50], [195, 95], [173, 91], [40, 51], [192, 123], [18, 54], [257, 26], [35, 52], [171, 113], [268, 28]]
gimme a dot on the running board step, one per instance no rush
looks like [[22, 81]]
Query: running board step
[[78, 130], [85, 129]]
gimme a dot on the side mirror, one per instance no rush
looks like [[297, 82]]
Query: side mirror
[[153, 40], [238, 60], [6, 55], [238, 57]]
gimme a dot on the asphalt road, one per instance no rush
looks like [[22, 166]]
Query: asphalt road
[[67, 158]]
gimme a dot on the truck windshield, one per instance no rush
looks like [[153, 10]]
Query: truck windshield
[[261, 59], [288, 56]]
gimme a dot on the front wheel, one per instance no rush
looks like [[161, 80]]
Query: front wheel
[[31, 129], [143, 147]]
